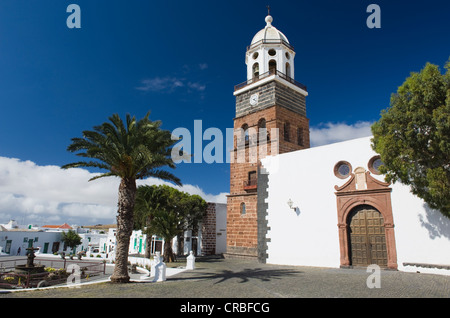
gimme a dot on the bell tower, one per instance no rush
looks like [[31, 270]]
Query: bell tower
[[270, 105]]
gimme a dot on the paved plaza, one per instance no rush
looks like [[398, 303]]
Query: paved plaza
[[216, 277]]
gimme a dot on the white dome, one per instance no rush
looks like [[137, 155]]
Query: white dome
[[269, 33]]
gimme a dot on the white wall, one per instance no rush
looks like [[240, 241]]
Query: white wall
[[422, 234], [309, 235], [17, 240]]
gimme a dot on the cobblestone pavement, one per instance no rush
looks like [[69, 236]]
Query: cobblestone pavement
[[232, 278]]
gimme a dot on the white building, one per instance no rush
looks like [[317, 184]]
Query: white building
[[209, 239], [16, 241]]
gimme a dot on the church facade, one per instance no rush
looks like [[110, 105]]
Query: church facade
[[326, 206]]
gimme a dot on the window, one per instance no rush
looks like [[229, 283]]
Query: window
[[251, 178], [286, 129], [342, 169], [374, 164], [272, 66], [256, 71], [272, 52], [246, 136], [262, 123], [242, 208], [263, 134], [288, 70], [300, 137]]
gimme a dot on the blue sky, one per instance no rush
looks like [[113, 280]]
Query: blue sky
[[181, 60]]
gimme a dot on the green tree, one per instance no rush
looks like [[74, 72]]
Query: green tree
[[413, 136], [167, 212], [133, 150], [71, 239], [143, 213]]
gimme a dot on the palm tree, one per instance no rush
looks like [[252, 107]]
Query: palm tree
[[135, 151]]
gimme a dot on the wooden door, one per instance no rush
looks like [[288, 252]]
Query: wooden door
[[367, 237]]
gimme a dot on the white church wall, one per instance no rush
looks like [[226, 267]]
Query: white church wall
[[306, 177], [422, 234], [308, 236]]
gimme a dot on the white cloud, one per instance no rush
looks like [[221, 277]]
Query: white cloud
[[197, 86], [168, 84], [158, 84], [49, 194], [328, 133]]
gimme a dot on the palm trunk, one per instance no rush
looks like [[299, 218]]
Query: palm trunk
[[168, 252], [148, 250], [148, 247], [127, 194]]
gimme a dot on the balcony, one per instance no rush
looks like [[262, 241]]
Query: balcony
[[250, 185], [267, 74]]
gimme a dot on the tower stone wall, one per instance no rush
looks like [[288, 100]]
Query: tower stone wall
[[277, 103]]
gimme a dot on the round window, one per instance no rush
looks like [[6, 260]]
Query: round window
[[374, 165], [255, 55], [287, 55], [342, 169], [272, 52]]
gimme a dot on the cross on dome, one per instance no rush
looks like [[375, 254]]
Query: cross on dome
[[269, 18]]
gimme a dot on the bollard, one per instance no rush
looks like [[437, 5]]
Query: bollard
[[160, 272], [158, 269], [190, 261]]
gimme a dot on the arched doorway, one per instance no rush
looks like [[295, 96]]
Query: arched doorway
[[363, 192], [367, 238]]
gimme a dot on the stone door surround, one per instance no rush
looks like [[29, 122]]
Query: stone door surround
[[363, 189]]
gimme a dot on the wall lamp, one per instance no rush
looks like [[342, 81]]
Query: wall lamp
[[291, 204]]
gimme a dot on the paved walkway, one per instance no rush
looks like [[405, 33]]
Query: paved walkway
[[232, 278]]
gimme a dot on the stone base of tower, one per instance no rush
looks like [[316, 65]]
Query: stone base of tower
[[241, 252], [242, 226]]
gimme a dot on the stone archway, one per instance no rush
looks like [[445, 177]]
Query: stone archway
[[364, 190]]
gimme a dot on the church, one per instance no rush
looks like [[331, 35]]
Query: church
[[326, 206]]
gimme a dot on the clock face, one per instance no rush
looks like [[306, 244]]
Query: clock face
[[254, 99]]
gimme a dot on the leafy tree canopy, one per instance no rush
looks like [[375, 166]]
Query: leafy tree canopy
[[413, 136], [167, 212]]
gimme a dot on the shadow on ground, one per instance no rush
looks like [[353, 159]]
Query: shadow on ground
[[244, 275]]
